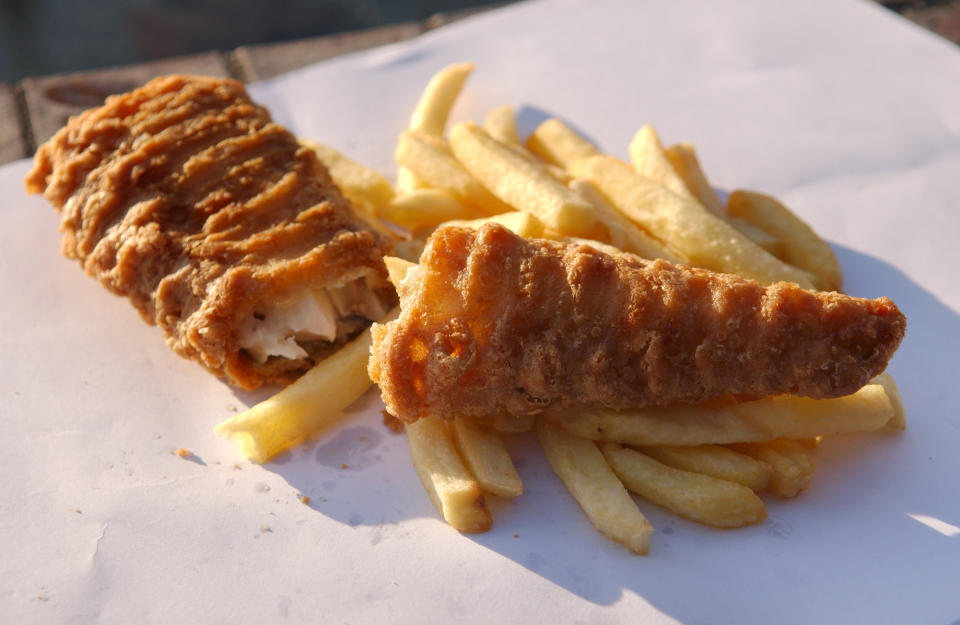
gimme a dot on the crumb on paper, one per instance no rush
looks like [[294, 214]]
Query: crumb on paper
[[235, 467], [182, 452], [344, 466], [394, 424], [516, 535], [232, 408], [77, 511], [265, 529], [304, 499]]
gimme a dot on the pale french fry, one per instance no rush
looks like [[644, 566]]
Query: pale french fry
[[522, 224], [486, 457], [433, 109], [558, 144], [649, 159], [501, 124], [700, 498], [519, 180], [724, 422], [454, 491], [423, 208], [761, 237], [595, 486], [717, 461], [433, 163], [514, 423], [313, 403], [801, 245], [704, 238], [407, 181], [623, 233], [792, 465], [899, 419], [684, 160]]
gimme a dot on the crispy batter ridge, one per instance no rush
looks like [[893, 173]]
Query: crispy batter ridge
[[184, 196], [492, 323]]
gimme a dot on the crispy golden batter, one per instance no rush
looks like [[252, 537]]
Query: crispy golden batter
[[184, 196], [492, 323]]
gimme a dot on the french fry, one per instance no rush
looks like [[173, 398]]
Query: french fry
[[433, 163], [761, 237], [705, 239], [623, 233], [792, 465], [310, 405], [595, 486], [407, 181], [717, 461], [501, 124], [483, 452], [899, 419], [423, 208], [801, 245], [700, 498], [519, 180], [724, 422], [433, 109], [520, 223], [684, 160], [358, 182], [558, 144], [649, 159], [397, 269], [454, 491]]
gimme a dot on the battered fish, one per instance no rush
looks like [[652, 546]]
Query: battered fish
[[184, 196], [492, 323]]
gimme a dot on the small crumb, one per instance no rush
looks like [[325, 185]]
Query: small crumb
[[236, 467], [516, 535], [393, 424], [232, 408], [77, 511], [43, 598], [265, 529], [183, 453], [157, 435], [304, 499], [344, 466], [216, 462]]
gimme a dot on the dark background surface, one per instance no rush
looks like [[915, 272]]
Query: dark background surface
[[40, 37]]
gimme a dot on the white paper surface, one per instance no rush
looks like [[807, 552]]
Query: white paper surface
[[849, 114]]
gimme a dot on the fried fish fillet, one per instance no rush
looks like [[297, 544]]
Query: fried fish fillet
[[492, 323], [184, 196]]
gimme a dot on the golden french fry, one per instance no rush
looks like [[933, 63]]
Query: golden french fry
[[520, 223], [313, 403], [595, 486], [397, 269], [358, 182], [717, 461], [486, 457], [407, 181], [899, 419], [519, 180], [701, 498], [423, 208], [622, 232], [801, 245], [558, 144], [792, 465], [649, 159], [723, 422], [501, 124], [684, 160], [433, 109], [761, 237], [453, 490], [433, 163], [704, 238]]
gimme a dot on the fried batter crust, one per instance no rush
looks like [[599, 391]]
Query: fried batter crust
[[492, 323], [184, 196]]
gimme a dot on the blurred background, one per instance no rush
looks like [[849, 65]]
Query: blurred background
[[40, 37]]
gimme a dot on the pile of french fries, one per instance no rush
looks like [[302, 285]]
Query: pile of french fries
[[706, 463]]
